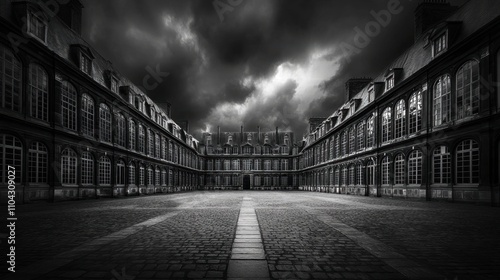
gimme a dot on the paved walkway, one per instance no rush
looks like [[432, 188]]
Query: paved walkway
[[255, 235]]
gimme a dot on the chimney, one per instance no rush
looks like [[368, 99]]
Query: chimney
[[71, 14], [218, 135], [258, 135], [241, 135], [277, 138], [429, 13], [355, 85]]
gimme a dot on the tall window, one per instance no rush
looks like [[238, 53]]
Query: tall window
[[442, 100], [399, 170], [352, 174], [68, 105], [131, 135], [104, 171], [256, 164], [87, 169], [236, 164], [104, 123], [441, 165], [87, 115], [284, 164], [120, 173], [37, 26], [37, 163], [164, 148], [121, 125], [370, 132], [170, 177], [267, 164], [131, 173], [370, 169], [386, 162], [141, 175], [400, 119], [68, 167], [150, 176], [337, 176], [415, 168], [360, 175], [386, 125], [361, 136], [467, 162], [157, 145], [151, 144], [332, 147], [141, 142], [337, 146], [157, 177], [39, 92], [10, 80], [344, 143], [468, 89], [170, 151], [415, 122], [352, 139], [344, 176], [163, 177]]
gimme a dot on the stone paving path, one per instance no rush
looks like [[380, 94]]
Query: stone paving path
[[256, 235]]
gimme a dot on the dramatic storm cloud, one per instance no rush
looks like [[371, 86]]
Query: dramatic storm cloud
[[255, 63]]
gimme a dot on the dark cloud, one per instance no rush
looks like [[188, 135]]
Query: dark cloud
[[208, 59]]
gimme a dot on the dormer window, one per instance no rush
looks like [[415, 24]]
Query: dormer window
[[389, 82], [209, 140], [371, 94], [37, 26], [153, 113], [249, 137], [85, 64], [439, 45], [114, 85], [286, 140], [266, 139], [352, 109], [230, 140]]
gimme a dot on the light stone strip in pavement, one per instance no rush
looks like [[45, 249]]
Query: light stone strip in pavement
[[405, 266], [43, 267], [248, 259]]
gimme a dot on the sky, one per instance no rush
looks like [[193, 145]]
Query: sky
[[267, 63]]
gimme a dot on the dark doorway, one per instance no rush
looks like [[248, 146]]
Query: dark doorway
[[246, 182]]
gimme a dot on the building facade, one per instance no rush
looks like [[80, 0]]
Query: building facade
[[427, 127], [71, 125]]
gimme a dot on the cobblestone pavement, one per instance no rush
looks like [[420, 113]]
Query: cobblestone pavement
[[304, 235]]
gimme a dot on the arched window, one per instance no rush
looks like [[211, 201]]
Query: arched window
[[400, 119], [104, 171], [352, 139], [151, 144], [68, 105], [386, 162], [87, 115], [121, 125], [370, 169], [468, 89], [120, 173], [360, 175], [399, 169], [11, 152], [10, 80], [442, 100], [361, 136], [386, 125], [157, 145], [131, 135], [370, 132], [441, 165], [141, 175], [157, 177], [337, 147], [170, 177], [87, 169], [141, 141], [332, 178], [344, 176], [337, 176], [163, 177], [39, 93], [415, 122], [344, 143], [104, 123], [37, 163], [352, 175], [131, 173], [467, 162], [415, 168], [150, 176], [68, 167], [332, 147]]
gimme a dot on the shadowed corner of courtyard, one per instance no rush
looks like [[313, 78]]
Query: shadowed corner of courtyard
[[251, 234]]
